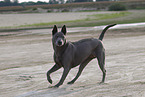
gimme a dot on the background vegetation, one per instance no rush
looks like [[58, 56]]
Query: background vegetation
[[59, 6], [117, 7], [16, 2]]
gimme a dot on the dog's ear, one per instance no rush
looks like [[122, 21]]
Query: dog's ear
[[63, 30], [54, 30]]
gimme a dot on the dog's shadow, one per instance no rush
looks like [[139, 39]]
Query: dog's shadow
[[51, 91]]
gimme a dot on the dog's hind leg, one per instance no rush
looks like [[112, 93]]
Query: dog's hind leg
[[82, 66], [53, 69], [100, 54]]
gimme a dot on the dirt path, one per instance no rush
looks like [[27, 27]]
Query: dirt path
[[25, 60]]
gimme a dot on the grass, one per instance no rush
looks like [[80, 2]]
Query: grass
[[92, 20], [108, 16], [88, 19]]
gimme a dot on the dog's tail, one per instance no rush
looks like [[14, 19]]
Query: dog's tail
[[103, 32]]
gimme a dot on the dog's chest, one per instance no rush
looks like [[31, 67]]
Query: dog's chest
[[58, 60]]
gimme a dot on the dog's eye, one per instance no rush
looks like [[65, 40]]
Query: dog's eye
[[62, 36], [57, 36]]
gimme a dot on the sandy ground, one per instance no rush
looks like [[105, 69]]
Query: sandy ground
[[8, 20], [25, 59]]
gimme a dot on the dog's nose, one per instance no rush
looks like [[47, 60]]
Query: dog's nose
[[59, 42]]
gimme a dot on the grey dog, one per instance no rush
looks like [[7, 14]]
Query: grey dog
[[72, 54]]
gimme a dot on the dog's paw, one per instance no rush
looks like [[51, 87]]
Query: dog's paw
[[49, 80], [70, 82], [53, 87], [102, 83]]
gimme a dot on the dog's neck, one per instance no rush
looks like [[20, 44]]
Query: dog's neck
[[59, 50]]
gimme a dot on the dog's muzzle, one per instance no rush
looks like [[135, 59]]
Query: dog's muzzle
[[59, 42]]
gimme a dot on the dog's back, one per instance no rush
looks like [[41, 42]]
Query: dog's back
[[84, 49]]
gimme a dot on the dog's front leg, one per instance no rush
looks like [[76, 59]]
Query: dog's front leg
[[53, 69], [65, 73]]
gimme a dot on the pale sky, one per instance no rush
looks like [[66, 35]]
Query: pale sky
[[29, 0]]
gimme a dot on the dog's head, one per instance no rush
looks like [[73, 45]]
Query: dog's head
[[58, 38]]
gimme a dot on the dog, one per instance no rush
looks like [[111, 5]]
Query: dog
[[71, 54]]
